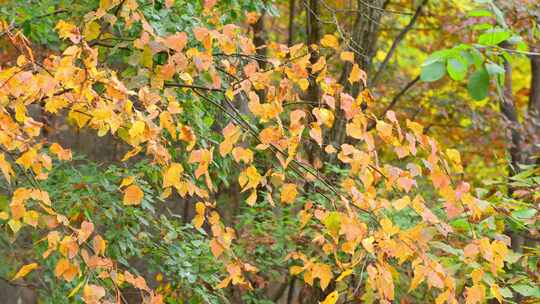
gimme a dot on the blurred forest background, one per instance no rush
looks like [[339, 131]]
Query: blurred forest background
[[468, 72]]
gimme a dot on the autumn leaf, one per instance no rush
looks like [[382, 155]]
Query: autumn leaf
[[92, 294], [25, 270], [347, 56], [61, 153], [176, 41], [331, 298], [288, 193], [332, 222], [357, 75], [171, 177], [198, 220], [133, 195], [330, 41], [6, 169], [84, 233]]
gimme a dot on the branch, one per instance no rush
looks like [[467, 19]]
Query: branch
[[189, 86], [14, 26], [394, 101], [396, 42]]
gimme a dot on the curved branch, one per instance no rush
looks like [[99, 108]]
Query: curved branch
[[397, 41]]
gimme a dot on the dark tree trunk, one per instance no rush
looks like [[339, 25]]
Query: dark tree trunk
[[292, 13], [363, 43]]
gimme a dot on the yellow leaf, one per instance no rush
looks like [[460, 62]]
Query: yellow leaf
[[147, 57], [288, 193], [31, 218], [303, 83], [324, 273], [15, 225], [357, 74], [344, 274], [477, 275], [229, 94], [127, 181], [133, 195], [224, 283], [388, 227], [171, 177], [198, 220], [331, 298], [61, 266], [347, 56], [252, 198], [186, 78], [4, 216], [368, 244], [20, 112], [324, 116], [6, 169], [294, 270], [402, 202], [27, 159], [91, 31], [25, 270], [64, 28], [330, 41], [137, 129], [496, 292], [76, 289]]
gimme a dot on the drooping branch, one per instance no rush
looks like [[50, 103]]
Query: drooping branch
[[396, 42]]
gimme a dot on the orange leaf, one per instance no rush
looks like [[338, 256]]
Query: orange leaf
[[86, 230], [288, 193], [93, 293], [177, 41], [133, 195]]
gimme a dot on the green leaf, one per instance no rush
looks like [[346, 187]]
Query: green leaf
[[332, 222], [478, 84], [494, 36], [480, 13], [524, 213], [436, 56], [494, 69], [506, 292], [433, 72], [527, 290], [499, 15], [457, 68], [477, 58]]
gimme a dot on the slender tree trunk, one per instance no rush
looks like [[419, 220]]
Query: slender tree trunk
[[364, 35], [259, 39], [313, 36], [508, 109], [292, 13]]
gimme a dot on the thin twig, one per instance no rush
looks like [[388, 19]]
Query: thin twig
[[396, 42]]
